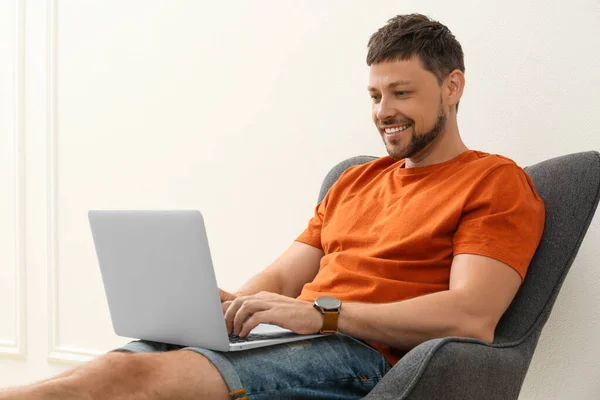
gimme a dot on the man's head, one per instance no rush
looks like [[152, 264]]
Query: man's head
[[416, 81]]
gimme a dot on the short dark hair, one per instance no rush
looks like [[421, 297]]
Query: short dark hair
[[405, 36]]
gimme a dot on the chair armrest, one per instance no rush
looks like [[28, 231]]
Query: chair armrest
[[455, 368]]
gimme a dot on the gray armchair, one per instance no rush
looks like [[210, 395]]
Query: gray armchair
[[462, 368]]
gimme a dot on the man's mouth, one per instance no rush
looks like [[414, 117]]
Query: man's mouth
[[395, 129]]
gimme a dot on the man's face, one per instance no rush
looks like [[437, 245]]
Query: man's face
[[407, 106]]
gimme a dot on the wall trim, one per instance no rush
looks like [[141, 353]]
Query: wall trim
[[51, 171], [17, 347], [56, 352]]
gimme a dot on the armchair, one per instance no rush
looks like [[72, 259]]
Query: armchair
[[462, 368]]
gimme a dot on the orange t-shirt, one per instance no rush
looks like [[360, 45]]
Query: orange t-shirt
[[389, 233]]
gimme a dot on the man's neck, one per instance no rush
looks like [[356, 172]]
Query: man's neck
[[446, 146]]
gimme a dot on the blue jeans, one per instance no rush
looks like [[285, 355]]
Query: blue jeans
[[332, 367]]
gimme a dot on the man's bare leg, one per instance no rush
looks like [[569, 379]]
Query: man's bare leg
[[13, 390], [137, 376], [63, 374]]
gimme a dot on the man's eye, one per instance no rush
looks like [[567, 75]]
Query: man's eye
[[375, 99], [401, 93]]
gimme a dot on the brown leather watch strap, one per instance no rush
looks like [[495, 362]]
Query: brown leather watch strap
[[330, 322]]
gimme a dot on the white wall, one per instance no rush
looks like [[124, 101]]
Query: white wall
[[239, 109]]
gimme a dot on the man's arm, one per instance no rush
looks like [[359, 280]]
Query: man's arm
[[481, 289], [297, 266]]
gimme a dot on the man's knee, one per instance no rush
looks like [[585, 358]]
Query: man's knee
[[128, 365], [174, 374], [120, 371]]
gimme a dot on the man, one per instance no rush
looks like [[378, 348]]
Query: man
[[432, 241]]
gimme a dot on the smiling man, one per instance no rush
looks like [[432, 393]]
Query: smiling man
[[431, 241]]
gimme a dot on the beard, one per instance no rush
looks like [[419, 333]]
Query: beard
[[417, 141]]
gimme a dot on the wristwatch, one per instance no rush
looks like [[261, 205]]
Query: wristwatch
[[330, 308]]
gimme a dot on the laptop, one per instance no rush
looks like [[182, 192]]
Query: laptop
[[160, 283]]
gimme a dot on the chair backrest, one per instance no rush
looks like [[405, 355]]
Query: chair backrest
[[570, 188]]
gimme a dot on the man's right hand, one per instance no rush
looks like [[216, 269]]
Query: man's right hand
[[226, 299]]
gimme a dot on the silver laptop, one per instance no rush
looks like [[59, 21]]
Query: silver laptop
[[160, 283]]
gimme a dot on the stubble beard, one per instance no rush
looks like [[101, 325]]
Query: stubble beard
[[417, 141]]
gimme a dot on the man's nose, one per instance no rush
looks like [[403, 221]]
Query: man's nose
[[385, 110]]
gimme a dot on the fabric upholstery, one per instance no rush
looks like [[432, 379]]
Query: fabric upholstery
[[461, 368]]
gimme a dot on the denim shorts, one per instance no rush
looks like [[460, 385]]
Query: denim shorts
[[331, 367]]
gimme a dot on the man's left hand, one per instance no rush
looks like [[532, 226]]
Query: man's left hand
[[246, 312]]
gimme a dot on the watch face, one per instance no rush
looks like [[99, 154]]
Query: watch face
[[328, 303]]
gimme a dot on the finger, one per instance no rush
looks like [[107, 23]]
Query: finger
[[225, 305], [232, 310], [254, 320], [249, 307], [226, 296]]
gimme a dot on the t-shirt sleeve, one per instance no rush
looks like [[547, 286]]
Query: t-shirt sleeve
[[502, 219], [312, 233]]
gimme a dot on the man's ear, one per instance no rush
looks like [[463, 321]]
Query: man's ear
[[453, 87]]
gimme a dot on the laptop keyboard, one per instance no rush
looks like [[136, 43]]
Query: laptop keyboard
[[257, 336]]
